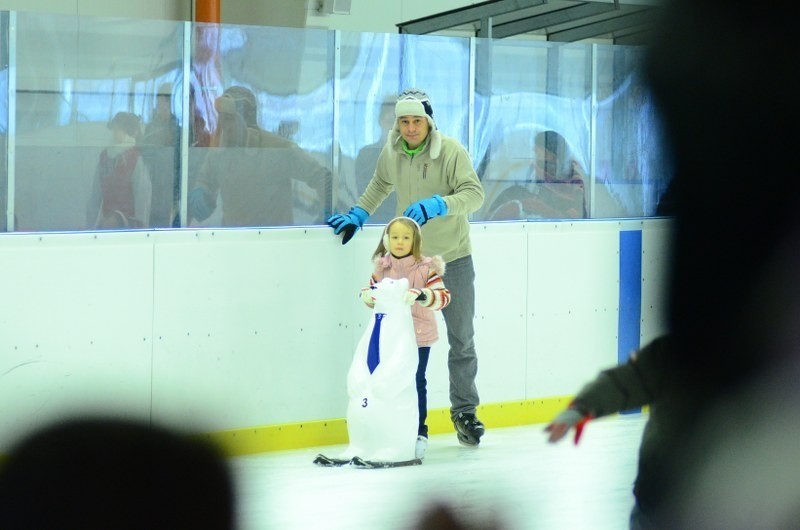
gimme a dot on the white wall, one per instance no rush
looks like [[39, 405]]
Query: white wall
[[152, 9], [221, 329], [377, 16]]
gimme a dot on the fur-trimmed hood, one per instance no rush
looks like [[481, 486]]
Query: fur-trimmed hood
[[434, 140]]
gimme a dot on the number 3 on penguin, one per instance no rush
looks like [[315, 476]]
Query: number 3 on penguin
[[364, 403]]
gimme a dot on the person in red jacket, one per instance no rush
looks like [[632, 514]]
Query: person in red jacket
[[122, 191]]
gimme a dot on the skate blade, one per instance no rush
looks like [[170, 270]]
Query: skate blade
[[466, 441], [360, 463], [324, 461]]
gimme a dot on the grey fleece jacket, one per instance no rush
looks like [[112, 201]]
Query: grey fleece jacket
[[443, 167]]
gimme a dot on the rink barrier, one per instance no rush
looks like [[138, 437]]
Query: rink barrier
[[268, 438]]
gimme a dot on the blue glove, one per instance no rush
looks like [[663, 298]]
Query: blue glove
[[348, 223], [422, 211]]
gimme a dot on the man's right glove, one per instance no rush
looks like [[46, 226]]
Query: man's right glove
[[348, 223]]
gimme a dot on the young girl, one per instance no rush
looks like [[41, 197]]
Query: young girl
[[398, 256]]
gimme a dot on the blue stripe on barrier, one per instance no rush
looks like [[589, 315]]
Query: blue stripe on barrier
[[630, 295]]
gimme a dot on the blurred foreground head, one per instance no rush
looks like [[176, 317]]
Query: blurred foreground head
[[108, 473], [723, 77]]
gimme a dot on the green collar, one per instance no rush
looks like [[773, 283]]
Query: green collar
[[413, 152]]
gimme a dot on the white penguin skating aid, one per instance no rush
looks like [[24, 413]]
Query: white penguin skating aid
[[382, 415]]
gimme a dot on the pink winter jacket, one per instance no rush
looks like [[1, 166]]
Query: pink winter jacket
[[426, 273]]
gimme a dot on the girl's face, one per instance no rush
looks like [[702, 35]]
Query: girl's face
[[401, 240]]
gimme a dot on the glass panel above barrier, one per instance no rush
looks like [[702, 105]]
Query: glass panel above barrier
[[98, 122], [266, 95], [631, 171], [285, 125], [3, 120], [375, 69], [532, 126]]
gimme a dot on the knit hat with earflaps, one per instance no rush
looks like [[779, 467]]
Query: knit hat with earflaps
[[414, 102]]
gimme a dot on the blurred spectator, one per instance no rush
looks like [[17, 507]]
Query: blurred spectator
[[440, 515], [252, 171], [121, 192], [367, 159], [98, 473], [558, 190], [730, 108], [161, 149], [199, 135]]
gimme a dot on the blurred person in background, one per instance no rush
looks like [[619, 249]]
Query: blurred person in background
[[556, 189], [121, 193], [250, 173], [161, 150]]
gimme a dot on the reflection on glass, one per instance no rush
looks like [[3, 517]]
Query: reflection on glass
[[75, 74], [271, 130], [630, 169], [248, 176], [555, 188], [375, 68], [122, 191], [533, 130], [160, 149], [368, 157]]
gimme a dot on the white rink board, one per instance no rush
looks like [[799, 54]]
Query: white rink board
[[223, 329]]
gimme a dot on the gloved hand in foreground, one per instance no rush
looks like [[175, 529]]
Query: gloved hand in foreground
[[425, 209], [348, 223], [566, 420]]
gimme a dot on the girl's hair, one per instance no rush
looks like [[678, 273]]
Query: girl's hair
[[416, 246]]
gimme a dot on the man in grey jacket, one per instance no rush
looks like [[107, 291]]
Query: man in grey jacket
[[436, 185]]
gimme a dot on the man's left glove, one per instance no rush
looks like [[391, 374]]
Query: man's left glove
[[425, 209], [348, 222]]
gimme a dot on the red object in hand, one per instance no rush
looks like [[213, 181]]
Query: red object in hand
[[579, 427]]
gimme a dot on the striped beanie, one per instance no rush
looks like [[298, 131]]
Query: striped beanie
[[414, 102]]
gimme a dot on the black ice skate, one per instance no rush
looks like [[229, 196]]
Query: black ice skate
[[324, 461], [469, 429], [360, 463]]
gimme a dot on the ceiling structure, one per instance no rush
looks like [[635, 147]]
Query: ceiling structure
[[624, 22]]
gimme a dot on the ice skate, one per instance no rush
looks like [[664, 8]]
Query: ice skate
[[422, 445], [360, 463], [325, 461], [469, 429]]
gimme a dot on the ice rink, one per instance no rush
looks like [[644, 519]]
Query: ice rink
[[515, 480]]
